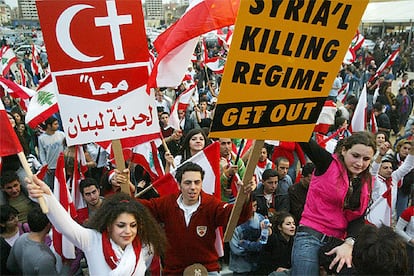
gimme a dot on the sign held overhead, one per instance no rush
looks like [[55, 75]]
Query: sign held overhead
[[283, 60]]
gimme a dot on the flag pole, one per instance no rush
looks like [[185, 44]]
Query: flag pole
[[29, 174], [241, 196], [120, 162]]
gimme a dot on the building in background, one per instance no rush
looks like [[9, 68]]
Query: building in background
[[27, 10]]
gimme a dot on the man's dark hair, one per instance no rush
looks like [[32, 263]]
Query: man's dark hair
[[379, 251], [308, 169], [378, 107], [352, 100], [88, 181], [280, 159], [8, 177], [50, 121], [268, 173], [36, 219], [188, 167]]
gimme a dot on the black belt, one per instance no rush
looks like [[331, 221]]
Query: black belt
[[320, 236]]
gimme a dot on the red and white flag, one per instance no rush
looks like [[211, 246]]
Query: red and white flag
[[9, 143], [209, 160], [35, 64], [328, 143], [326, 117], [380, 212], [216, 64], [389, 61], [343, 93], [374, 126], [176, 45], [359, 119], [181, 103], [8, 57], [146, 155], [79, 170], [23, 80], [61, 244], [43, 104], [356, 43]]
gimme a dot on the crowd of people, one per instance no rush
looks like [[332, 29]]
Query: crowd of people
[[308, 211]]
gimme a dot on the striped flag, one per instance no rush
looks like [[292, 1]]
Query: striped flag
[[343, 93], [380, 212], [208, 159], [181, 103], [326, 117], [146, 155], [61, 244], [359, 119], [389, 61], [176, 45], [35, 64], [43, 104], [9, 143], [8, 57]]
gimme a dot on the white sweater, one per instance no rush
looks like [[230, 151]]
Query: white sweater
[[90, 242]]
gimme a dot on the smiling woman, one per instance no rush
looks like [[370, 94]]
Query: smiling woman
[[124, 239]]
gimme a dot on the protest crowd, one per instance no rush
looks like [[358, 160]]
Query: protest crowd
[[331, 205]]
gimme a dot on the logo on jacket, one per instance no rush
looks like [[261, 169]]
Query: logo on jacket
[[201, 230]]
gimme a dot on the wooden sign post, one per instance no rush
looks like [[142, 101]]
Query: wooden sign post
[[241, 196]]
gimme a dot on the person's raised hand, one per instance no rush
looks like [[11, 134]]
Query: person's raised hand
[[36, 187]]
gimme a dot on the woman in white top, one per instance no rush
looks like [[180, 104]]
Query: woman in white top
[[124, 238]]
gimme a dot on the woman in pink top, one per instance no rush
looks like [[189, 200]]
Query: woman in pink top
[[338, 196]]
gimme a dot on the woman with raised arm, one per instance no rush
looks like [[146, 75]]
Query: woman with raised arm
[[124, 238], [338, 196]]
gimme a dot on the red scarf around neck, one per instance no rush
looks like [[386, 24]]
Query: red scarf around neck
[[109, 253]]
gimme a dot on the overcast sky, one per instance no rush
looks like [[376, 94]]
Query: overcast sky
[[11, 3]]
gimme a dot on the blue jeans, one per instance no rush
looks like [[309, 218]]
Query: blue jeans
[[402, 202], [305, 254]]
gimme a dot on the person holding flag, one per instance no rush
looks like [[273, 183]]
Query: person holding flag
[[123, 238], [190, 218], [338, 196], [384, 192]]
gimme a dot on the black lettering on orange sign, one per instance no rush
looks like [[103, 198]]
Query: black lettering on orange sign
[[292, 78], [260, 114], [313, 14], [256, 39]]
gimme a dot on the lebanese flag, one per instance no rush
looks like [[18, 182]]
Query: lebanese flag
[[374, 126], [9, 143], [63, 246], [79, 171], [176, 45], [43, 104], [23, 80], [216, 64], [343, 93], [380, 212], [36, 67], [17, 91], [8, 57], [328, 143], [355, 45], [229, 38], [41, 173], [181, 103], [326, 117], [359, 119], [146, 155], [389, 61], [209, 160]]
